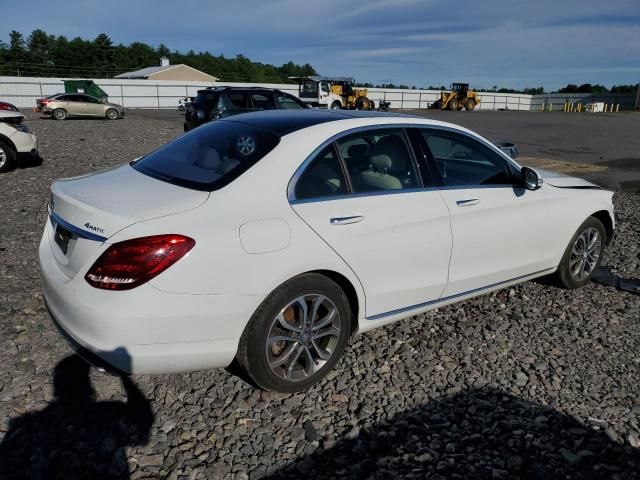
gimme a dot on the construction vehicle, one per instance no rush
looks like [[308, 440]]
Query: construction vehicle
[[333, 92], [459, 96]]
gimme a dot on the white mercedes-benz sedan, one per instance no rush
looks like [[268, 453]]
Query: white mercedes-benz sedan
[[272, 237]]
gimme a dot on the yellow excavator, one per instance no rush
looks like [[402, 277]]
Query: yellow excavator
[[459, 96]]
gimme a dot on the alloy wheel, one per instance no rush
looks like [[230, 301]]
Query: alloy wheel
[[303, 337], [585, 254], [3, 157]]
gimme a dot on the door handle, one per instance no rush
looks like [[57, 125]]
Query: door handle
[[468, 202], [346, 220]]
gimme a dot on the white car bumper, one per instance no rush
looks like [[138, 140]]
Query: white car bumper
[[143, 330], [25, 142]]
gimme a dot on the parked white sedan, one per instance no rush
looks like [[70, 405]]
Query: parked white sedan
[[272, 237]]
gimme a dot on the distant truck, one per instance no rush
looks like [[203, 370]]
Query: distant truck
[[333, 92]]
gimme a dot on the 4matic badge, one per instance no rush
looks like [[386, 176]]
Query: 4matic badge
[[94, 228]]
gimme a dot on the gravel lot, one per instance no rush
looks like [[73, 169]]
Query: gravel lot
[[530, 382]]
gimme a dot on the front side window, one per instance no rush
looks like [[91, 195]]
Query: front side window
[[379, 160], [463, 161], [209, 157], [89, 99], [287, 102], [322, 178]]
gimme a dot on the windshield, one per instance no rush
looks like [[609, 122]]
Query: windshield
[[209, 157]]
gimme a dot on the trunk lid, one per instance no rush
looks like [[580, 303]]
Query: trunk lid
[[85, 211]]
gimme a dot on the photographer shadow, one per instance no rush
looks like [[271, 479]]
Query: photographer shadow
[[76, 436], [480, 434]]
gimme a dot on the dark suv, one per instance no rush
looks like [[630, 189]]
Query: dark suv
[[217, 102]]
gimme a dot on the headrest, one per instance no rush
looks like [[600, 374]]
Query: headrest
[[209, 160], [358, 150], [381, 162]]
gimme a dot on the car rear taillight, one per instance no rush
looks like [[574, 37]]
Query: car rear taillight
[[126, 265]]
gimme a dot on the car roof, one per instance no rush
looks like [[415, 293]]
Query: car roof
[[240, 89], [283, 122]]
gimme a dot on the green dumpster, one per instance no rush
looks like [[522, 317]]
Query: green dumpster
[[85, 86]]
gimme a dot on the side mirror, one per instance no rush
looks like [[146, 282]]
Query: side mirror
[[530, 179]]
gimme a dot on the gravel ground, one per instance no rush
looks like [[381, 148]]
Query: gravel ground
[[528, 382]]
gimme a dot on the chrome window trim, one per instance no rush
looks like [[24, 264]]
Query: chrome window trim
[[300, 170]]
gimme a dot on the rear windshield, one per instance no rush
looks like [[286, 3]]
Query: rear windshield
[[209, 157], [205, 97]]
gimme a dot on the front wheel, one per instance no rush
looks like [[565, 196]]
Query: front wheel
[[112, 114], [297, 334], [583, 254], [336, 105]]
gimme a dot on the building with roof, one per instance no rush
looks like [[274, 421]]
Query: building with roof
[[166, 71]]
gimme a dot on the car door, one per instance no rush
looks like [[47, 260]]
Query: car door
[[366, 197], [77, 105], [93, 106], [499, 228]]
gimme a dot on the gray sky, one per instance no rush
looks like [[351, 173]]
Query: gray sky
[[506, 43]]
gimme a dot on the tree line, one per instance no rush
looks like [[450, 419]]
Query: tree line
[[44, 55], [41, 54]]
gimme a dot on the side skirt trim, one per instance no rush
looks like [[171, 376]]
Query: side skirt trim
[[380, 316]]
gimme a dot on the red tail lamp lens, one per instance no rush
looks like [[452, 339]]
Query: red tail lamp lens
[[126, 265]]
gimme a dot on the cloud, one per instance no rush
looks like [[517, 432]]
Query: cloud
[[513, 44]]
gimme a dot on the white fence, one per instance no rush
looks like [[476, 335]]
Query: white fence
[[23, 92], [556, 101]]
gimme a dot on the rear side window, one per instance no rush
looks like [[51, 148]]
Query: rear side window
[[262, 101], [322, 178], [209, 157], [379, 160], [238, 100]]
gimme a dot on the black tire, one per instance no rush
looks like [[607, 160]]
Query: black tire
[[59, 114], [112, 114], [563, 275], [336, 105], [453, 104], [363, 103], [8, 157], [254, 348], [470, 104]]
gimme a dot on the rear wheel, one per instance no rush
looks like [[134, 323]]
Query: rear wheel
[[8, 157], [112, 114], [297, 334], [583, 254], [453, 104], [470, 104], [60, 114]]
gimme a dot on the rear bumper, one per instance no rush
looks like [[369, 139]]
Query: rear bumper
[[143, 330]]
